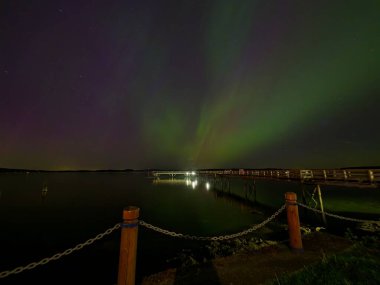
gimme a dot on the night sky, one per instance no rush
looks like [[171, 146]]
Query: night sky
[[189, 84]]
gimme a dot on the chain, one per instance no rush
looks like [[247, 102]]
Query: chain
[[337, 216], [213, 238], [59, 255]]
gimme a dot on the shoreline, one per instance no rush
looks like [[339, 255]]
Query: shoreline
[[253, 267]]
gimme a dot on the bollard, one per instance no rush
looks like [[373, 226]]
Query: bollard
[[293, 222], [128, 246]]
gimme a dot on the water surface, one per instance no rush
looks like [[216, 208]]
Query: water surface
[[78, 206]]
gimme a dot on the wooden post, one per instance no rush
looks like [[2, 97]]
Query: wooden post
[[321, 204], [128, 246], [293, 222]]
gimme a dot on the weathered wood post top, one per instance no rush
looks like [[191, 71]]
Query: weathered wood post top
[[131, 213]]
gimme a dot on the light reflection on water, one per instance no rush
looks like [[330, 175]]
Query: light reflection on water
[[193, 183]]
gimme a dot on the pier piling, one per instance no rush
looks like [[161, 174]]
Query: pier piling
[[321, 205]]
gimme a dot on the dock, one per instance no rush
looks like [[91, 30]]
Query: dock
[[360, 178]]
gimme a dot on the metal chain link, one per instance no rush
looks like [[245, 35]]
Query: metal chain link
[[337, 216], [213, 238], [59, 255]]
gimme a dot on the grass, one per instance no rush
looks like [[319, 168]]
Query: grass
[[358, 265]]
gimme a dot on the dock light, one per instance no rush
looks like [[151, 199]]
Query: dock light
[[193, 173], [207, 186]]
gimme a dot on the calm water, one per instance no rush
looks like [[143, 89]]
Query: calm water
[[78, 206]]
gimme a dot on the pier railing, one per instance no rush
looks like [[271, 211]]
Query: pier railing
[[129, 231], [349, 176]]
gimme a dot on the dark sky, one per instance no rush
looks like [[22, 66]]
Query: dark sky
[[183, 84]]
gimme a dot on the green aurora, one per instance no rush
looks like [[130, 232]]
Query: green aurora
[[317, 65]]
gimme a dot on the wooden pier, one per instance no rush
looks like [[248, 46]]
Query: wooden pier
[[362, 178], [357, 178]]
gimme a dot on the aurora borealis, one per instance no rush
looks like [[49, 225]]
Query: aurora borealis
[[189, 84]]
